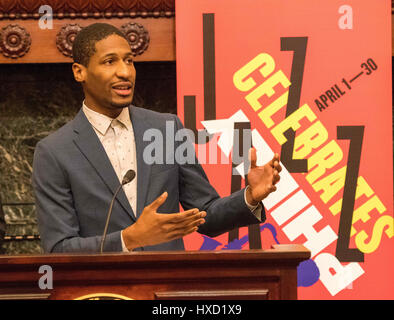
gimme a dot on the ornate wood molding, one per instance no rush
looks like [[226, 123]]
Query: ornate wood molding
[[77, 9], [135, 33], [148, 24], [65, 38], [15, 41], [137, 36]]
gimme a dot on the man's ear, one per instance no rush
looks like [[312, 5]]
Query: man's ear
[[79, 71]]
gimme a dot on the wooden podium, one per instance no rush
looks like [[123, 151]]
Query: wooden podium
[[197, 275]]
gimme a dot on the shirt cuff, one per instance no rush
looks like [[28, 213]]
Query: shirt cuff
[[256, 210], [124, 248]]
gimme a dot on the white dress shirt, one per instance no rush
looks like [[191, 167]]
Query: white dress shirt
[[117, 138]]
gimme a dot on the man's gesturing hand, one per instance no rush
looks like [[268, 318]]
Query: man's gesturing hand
[[153, 228], [262, 179]]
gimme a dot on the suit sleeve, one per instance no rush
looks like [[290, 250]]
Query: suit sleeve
[[57, 218], [223, 214]]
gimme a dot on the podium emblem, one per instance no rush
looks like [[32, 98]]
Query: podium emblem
[[103, 296]]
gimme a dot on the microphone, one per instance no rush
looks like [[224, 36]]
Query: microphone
[[128, 177]]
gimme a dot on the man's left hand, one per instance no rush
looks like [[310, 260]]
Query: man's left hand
[[262, 179]]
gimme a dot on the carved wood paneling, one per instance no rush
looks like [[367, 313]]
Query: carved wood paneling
[[15, 41], [151, 39], [135, 33], [226, 274], [234, 294], [28, 9], [25, 296], [151, 31], [65, 38], [137, 36]]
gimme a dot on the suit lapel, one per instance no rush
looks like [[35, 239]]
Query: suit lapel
[[140, 125], [91, 147]]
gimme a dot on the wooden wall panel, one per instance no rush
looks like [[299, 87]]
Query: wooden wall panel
[[155, 19], [43, 47]]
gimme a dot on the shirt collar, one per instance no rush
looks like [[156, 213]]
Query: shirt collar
[[102, 122]]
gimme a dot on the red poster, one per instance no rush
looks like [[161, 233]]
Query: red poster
[[312, 81]]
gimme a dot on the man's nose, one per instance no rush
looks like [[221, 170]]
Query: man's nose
[[125, 70]]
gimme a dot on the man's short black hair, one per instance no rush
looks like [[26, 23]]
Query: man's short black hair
[[84, 45]]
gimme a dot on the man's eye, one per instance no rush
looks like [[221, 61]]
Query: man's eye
[[108, 62], [129, 61]]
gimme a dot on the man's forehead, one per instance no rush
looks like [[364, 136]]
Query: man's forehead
[[112, 45]]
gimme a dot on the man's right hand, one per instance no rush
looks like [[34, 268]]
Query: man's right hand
[[153, 228]]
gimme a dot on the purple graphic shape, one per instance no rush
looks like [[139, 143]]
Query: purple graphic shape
[[271, 228], [236, 244], [209, 243], [307, 273], [239, 243]]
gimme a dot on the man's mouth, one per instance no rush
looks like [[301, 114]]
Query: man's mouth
[[123, 89]]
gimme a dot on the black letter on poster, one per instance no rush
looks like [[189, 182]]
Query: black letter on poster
[[209, 79], [298, 45], [242, 154], [355, 134]]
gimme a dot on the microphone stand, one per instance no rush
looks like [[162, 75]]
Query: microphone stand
[[108, 218], [129, 176]]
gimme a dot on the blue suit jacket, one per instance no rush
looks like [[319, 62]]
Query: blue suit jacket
[[74, 182]]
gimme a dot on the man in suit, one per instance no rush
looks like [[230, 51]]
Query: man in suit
[[77, 169]]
